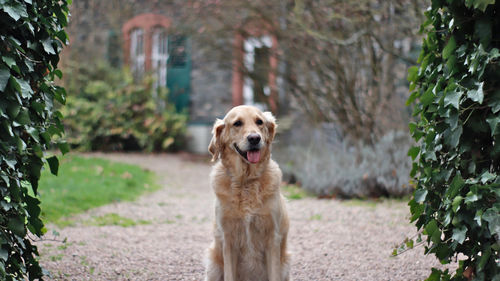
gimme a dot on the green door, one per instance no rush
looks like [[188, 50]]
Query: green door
[[179, 71]]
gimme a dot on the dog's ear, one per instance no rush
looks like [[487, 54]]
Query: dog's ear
[[215, 146], [271, 124]]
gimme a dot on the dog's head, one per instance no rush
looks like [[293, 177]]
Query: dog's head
[[246, 132]]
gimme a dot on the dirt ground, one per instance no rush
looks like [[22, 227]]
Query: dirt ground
[[329, 239]]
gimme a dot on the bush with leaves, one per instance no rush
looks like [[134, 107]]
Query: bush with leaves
[[329, 166], [457, 163], [107, 110], [31, 39]]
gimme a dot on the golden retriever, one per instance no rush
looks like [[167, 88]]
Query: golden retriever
[[251, 221]]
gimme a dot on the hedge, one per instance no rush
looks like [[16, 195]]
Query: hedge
[[31, 39], [456, 91]]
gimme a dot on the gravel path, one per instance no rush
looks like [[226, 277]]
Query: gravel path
[[329, 239]]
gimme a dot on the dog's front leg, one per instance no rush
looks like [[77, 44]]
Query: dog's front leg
[[273, 258], [229, 260]]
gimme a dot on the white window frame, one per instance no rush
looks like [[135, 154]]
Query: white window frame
[[159, 56], [249, 45], [137, 52]]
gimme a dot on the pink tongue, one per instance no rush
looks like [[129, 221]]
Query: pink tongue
[[253, 156]]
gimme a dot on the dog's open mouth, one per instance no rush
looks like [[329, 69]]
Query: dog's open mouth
[[252, 155]]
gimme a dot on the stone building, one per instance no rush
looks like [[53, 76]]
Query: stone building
[[152, 36]]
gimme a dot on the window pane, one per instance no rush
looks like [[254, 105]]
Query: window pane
[[159, 56], [256, 89], [137, 52], [177, 50]]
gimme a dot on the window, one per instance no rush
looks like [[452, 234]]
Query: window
[[137, 56], [256, 60], [159, 56], [178, 51], [149, 49]]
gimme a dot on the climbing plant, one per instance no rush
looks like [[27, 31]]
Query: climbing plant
[[31, 38], [456, 95]]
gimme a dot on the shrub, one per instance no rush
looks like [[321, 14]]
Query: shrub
[[31, 39], [456, 165], [332, 167], [107, 110]]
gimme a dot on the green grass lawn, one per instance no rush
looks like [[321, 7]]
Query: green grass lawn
[[294, 192], [84, 183]]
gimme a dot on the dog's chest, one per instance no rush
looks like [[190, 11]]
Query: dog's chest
[[250, 234], [248, 212], [247, 200]]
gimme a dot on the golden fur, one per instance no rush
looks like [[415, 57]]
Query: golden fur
[[251, 221]]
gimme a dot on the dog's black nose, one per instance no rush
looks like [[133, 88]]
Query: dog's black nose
[[253, 139]]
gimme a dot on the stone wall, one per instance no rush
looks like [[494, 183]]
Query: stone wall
[[95, 31]]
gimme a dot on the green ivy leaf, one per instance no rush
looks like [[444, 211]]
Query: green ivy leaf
[[413, 152], [416, 210], [38, 150], [414, 170], [430, 155], [53, 164], [60, 95], [447, 219], [16, 224], [482, 31], [47, 46], [412, 98], [435, 275], [58, 73], [62, 36], [432, 230], [492, 216], [430, 227], [478, 217], [15, 10], [471, 197], [484, 258], [450, 48], [482, 4], [33, 132], [4, 77], [494, 101], [394, 252], [412, 127], [459, 234], [4, 254], [420, 195], [25, 88], [436, 236], [13, 82], [33, 207], [493, 122], [456, 184], [23, 117], [486, 177], [11, 162], [412, 73], [9, 61], [454, 137], [63, 147], [452, 120], [456, 203], [21, 145], [428, 97], [477, 95], [453, 98]]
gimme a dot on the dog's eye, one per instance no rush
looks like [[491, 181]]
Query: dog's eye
[[237, 123], [259, 122]]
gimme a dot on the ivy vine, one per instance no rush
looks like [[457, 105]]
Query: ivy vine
[[31, 38], [456, 95]]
